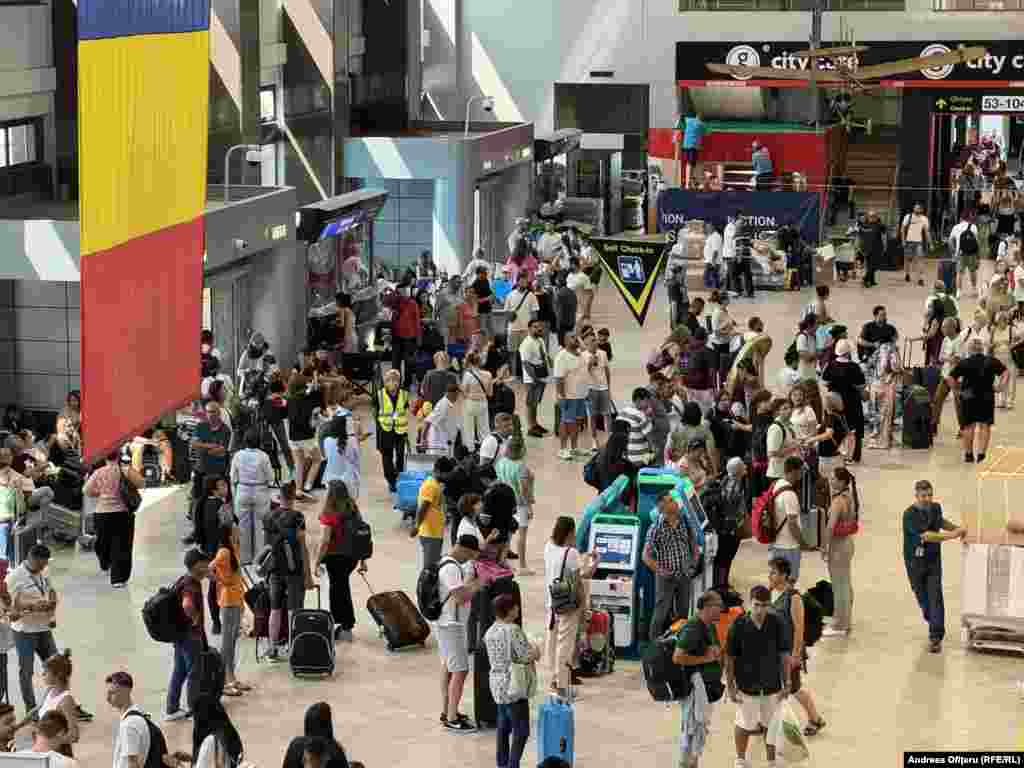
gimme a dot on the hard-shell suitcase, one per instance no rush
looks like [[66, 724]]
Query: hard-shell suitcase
[[206, 678], [917, 419], [398, 619], [485, 711], [556, 730], [151, 466], [409, 483], [312, 640], [87, 536], [481, 609]]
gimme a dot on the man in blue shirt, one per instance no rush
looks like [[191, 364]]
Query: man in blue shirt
[[693, 129], [762, 163], [924, 530]]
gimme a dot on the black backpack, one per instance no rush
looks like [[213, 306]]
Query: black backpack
[[814, 615], [792, 356], [968, 242], [666, 680], [163, 615], [357, 538], [282, 542], [428, 590], [157, 743]]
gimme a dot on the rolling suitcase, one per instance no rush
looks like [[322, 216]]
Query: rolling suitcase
[[409, 483], [312, 636], [485, 711], [917, 419], [206, 678], [556, 729], [398, 619], [257, 598], [151, 466]]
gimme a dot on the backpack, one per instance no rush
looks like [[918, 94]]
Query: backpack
[[163, 615], [357, 538], [813, 617], [666, 680], [792, 356], [968, 242], [711, 499], [428, 590], [283, 556], [590, 472], [157, 743], [206, 364], [762, 515]]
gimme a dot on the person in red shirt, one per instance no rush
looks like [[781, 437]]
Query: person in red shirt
[[406, 330], [187, 649]]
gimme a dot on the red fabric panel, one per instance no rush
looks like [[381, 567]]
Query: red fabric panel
[[141, 317]]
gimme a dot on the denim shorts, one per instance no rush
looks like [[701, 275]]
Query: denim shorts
[[574, 410]]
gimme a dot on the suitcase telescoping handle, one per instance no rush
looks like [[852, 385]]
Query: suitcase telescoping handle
[[368, 585]]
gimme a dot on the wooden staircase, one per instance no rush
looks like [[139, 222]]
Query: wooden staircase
[[873, 167]]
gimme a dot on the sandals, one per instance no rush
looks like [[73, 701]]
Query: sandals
[[813, 726]]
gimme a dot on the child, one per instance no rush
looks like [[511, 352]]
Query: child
[[604, 341]]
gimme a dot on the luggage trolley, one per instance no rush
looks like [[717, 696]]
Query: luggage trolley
[[992, 600]]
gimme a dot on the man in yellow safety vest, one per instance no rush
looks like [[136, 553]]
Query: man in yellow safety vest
[[392, 426]]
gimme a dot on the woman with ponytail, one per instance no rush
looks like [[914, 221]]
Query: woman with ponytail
[[837, 547], [57, 676]]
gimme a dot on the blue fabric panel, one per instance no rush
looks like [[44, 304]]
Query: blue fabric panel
[[98, 19]]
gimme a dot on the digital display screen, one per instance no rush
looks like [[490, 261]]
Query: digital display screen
[[617, 548]]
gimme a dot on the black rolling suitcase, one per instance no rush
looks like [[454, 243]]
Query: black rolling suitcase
[[485, 711], [151, 466], [917, 419], [312, 637]]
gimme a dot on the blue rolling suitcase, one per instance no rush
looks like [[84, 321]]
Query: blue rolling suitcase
[[409, 483], [556, 730]]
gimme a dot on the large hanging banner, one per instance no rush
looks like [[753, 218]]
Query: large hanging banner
[[763, 211], [143, 93], [633, 266]]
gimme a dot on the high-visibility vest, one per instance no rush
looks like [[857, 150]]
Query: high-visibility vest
[[393, 417]]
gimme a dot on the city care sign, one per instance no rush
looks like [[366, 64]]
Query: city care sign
[[1002, 67], [633, 266]]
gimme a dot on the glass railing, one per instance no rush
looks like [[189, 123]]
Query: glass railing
[[803, 5], [978, 5]]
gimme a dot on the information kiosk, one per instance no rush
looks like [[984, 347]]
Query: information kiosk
[[616, 538]]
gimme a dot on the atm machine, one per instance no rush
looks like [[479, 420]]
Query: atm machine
[[617, 539]]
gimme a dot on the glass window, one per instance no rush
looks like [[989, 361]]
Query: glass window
[[21, 141], [3, 147], [268, 105]]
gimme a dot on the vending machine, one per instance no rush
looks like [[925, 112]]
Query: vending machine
[[616, 538]]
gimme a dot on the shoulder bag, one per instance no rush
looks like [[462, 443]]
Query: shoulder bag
[[515, 312], [522, 682], [564, 597], [128, 493]]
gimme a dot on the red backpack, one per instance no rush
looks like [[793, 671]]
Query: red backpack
[[762, 515]]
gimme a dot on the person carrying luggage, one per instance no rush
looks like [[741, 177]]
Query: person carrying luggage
[[393, 426], [698, 650], [456, 584], [513, 677], [187, 647], [289, 574], [339, 507]]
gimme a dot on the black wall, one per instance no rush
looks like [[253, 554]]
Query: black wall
[[379, 103]]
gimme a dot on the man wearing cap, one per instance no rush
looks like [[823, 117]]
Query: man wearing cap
[[671, 553], [457, 582], [846, 379]]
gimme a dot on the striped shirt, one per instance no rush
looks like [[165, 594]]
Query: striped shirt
[[640, 427]]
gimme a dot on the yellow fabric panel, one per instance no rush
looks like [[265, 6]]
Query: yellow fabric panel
[[142, 134]]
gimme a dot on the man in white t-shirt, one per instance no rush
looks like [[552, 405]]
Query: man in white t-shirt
[[949, 356], [573, 388], [786, 516], [492, 447], [456, 584], [729, 279], [444, 423], [579, 283], [713, 247], [132, 743], [965, 256], [524, 307], [49, 733], [533, 353], [914, 233], [599, 380], [807, 349]]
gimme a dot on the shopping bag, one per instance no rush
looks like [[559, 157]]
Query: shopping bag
[[785, 734]]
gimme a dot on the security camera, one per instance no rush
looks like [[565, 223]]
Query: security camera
[[254, 157], [240, 244], [488, 104]]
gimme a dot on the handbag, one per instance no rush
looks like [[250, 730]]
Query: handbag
[[515, 312], [128, 493], [564, 598], [522, 681]]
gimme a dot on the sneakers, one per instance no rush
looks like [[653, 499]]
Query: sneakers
[[173, 717], [741, 763], [968, 458], [565, 454], [459, 726], [459, 716], [934, 646], [343, 635], [830, 632], [536, 432], [82, 716], [981, 458], [277, 654]]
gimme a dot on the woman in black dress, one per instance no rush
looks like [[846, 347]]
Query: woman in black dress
[[846, 379]]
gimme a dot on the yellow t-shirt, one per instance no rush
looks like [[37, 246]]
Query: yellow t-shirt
[[432, 526]]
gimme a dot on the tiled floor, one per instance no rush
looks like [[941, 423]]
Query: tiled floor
[[880, 690]]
